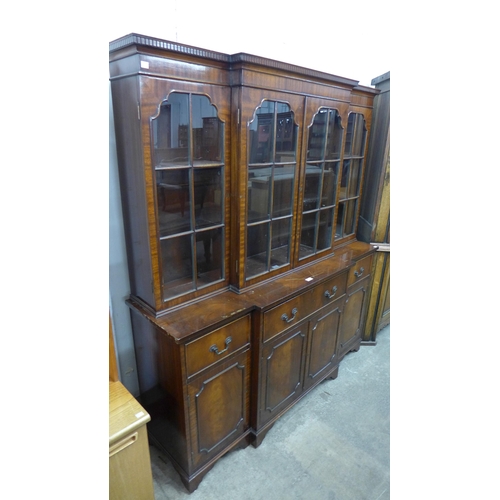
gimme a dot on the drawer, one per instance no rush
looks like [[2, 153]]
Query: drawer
[[217, 345], [286, 315], [360, 270], [294, 310], [327, 292]]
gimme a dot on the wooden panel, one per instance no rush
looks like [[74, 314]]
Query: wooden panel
[[282, 369], [353, 316], [219, 407], [200, 354], [323, 333]]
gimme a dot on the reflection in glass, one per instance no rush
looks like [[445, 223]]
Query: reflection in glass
[[329, 187], [208, 196], [188, 157], [325, 229], [280, 248], [259, 193], [262, 134], [209, 256], [171, 132], [177, 265], [308, 235], [346, 168], [311, 187], [173, 199], [283, 190], [354, 178], [257, 249]]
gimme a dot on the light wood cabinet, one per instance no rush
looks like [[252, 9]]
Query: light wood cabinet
[[241, 187]]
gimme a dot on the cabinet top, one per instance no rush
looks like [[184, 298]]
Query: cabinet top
[[134, 43]]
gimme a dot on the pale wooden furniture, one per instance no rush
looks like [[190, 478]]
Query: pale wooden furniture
[[130, 476]]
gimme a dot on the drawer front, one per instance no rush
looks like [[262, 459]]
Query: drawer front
[[286, 315], [294, 310], [217, 345], [360, 270], [327, 292]]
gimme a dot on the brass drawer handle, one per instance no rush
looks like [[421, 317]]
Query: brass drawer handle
[[285, 317], [358, 275], [214, 348], [329, 295]]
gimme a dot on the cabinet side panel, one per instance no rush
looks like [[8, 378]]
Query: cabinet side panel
[[130, 165]]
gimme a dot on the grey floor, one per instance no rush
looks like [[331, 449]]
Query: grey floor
[[332, 445]]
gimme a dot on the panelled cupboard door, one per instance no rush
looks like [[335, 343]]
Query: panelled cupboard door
[[269, 136], [219, 407], [352, 320], [325, 122], [186, 150], [323, 337], [282, 371]]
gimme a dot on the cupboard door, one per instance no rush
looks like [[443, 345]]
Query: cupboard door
[[352, 321], [282, 369], [219, 407], [323, 337]]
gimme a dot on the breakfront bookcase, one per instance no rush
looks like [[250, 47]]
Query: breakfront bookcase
[[241, 189]]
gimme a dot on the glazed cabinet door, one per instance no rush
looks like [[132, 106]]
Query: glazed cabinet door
[[186, 129], [219, 407], [323, 140], [269, 137], [282, 364], [323, 337]]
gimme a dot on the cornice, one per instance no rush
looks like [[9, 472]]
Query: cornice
[[233, 61]]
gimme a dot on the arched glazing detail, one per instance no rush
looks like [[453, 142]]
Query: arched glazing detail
[[188, 159], [352, 169], [272, 157], [324, 145]]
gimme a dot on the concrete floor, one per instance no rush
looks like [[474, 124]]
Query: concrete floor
[[332, 445]]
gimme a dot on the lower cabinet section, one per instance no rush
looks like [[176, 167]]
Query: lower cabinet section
[[218, 373]]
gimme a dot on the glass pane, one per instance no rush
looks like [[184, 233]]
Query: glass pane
[[262, 134], [329, 184], [359, 137], [311, 187], [325, 229], [286, 134], [257, 244], [208, 196], [173, 197], [177, 262], [171, 132], [354, 181], [339, 229], [280, 244], [345, 179], [307, 236], [259, 193], [283, 190], [350, 217], [209, 256], [334, 139], [349, 135], [207, 131], [317, 135]]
